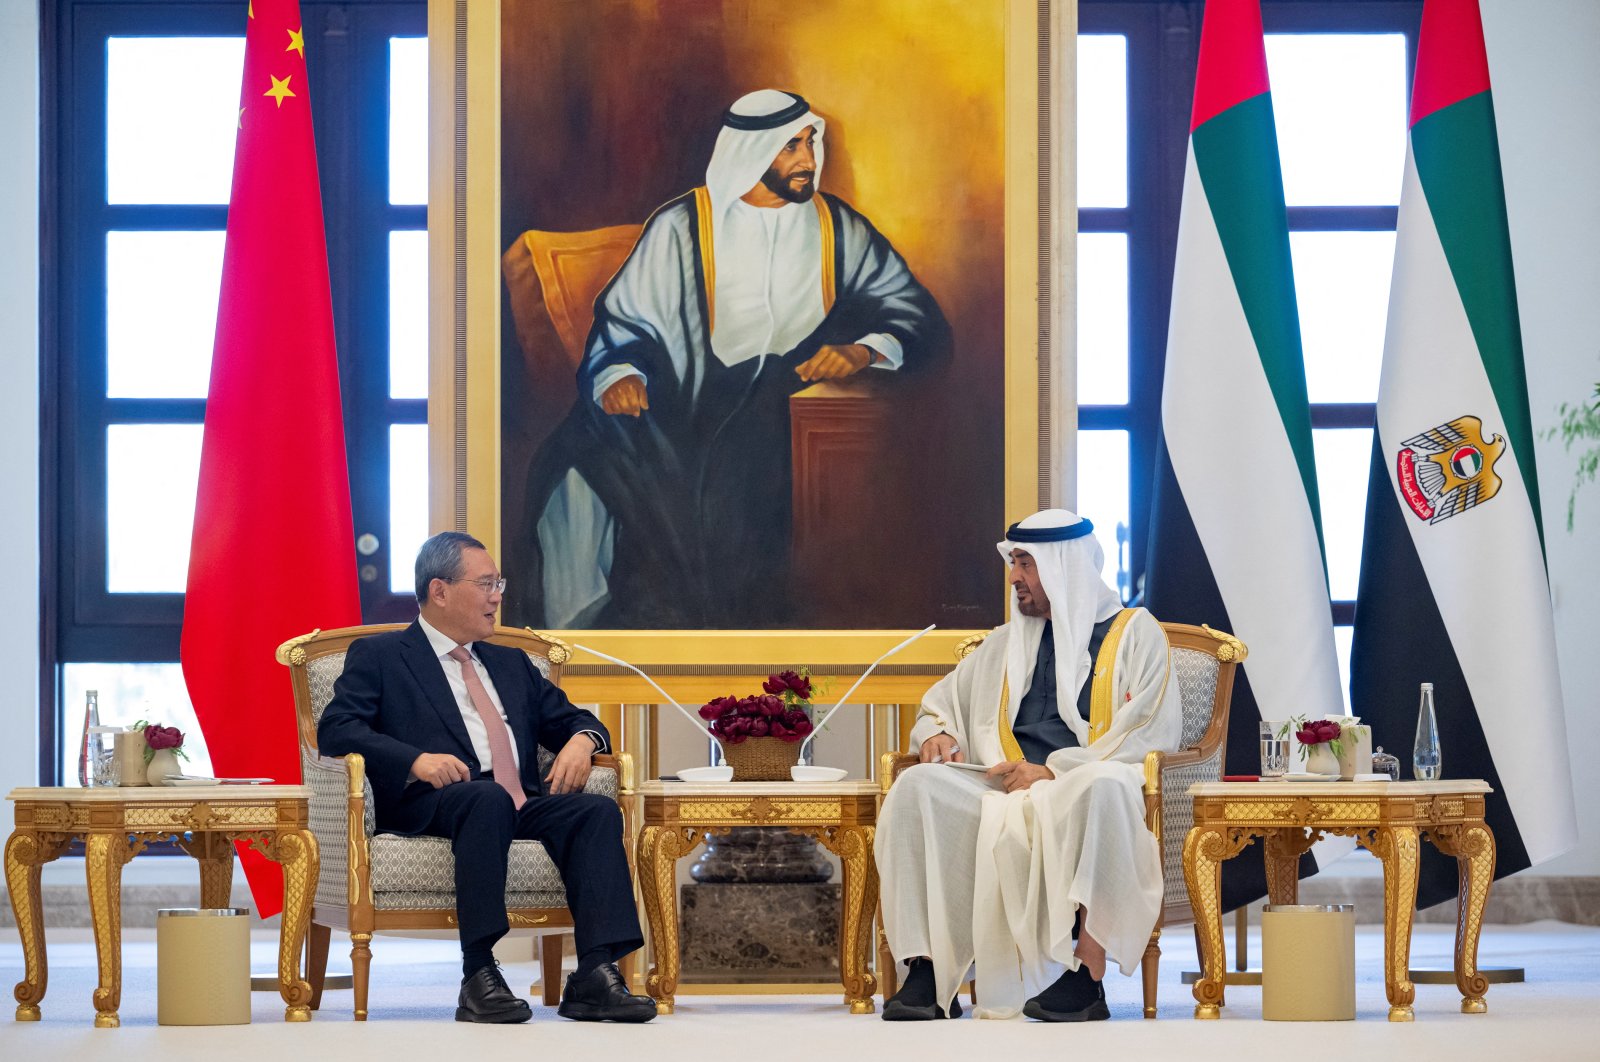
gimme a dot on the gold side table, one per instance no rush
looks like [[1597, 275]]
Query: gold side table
[[117, 824], [1389, 819], [677, 817]]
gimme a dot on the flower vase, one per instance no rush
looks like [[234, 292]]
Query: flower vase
[[163, 765], [762, 759], [1320, 759]]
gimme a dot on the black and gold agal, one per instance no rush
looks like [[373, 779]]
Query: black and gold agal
[[1449, 469]]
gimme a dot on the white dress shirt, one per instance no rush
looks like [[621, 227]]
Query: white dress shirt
[[442, 646]]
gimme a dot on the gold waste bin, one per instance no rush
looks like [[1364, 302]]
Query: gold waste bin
[[203, 966], [1308, 962]]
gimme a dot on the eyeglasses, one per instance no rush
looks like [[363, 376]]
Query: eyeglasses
[[487, 585]]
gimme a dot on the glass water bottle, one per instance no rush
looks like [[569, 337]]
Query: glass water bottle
[[1425, 759], [86, 749]]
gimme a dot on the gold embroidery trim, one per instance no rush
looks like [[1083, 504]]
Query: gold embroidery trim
[[708, 254], [1105, 663], [825, 219], [1008, 740]]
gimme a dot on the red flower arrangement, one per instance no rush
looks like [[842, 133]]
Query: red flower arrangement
[[158, 737], [1317, 732], [779, 711]]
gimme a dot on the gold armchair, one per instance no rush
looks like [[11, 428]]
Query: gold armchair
[[1204, 661], [371, 882]]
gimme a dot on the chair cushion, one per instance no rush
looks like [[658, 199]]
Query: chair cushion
[[1197, 689], [419, 872]]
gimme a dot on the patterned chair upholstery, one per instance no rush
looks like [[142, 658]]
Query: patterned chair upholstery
[[1204, 661], [371, 881]]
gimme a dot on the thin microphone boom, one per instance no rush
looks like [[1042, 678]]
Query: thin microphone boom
[[686, 713], [823, 720]]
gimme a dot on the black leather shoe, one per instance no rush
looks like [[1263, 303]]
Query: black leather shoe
[[487, 999], [603, 996], [1075, 996]]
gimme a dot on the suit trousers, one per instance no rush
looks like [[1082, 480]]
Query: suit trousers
[[582, 832]]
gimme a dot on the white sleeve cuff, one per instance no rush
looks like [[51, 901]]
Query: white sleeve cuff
[[886, 345], [610, 376], [598, 739]]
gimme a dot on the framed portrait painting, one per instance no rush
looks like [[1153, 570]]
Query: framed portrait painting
[[736, 331]]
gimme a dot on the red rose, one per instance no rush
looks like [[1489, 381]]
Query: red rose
[[163, 737]]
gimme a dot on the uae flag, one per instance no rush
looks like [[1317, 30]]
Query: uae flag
[[273, 553], [1453, 585], [1236, 538]]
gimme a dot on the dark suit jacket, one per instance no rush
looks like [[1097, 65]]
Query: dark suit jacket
[[393, 703]]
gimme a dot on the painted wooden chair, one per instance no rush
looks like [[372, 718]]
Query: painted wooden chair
[[370, 881], [1204, 661]]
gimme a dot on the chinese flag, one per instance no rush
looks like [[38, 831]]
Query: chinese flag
[[273, 552]]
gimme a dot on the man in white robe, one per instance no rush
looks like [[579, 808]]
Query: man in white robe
[[663, 499], [1043, 861]]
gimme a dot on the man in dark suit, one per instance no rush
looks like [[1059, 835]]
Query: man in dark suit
[[450, 726]]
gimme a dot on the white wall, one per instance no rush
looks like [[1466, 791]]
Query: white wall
[[1541, 63], [19, 391]]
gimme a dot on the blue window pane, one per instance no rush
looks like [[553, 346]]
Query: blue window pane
[[1102, 120], [1103, 498], [1342, 286], [1102, 318], [1340, 104], [408, 119], [128, 693], [172, 112], [408, 502], [1343, 457], [161, 312], [408, 314], [151, 473]]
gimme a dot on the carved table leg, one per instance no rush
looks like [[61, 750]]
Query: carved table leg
[[104, 855], [296, 852], [216, 871], [659, 850], [1284, 847], [1397, 847], [1473, 846], [25, 854], [853, 846], [1203, 853]]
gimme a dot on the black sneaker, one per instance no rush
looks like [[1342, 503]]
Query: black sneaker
[[897, 1009], [487, 999], [1076, 996]]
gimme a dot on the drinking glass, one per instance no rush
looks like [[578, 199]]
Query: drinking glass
[[1274, 751]]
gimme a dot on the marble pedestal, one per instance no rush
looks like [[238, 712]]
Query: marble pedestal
[[766, 933]]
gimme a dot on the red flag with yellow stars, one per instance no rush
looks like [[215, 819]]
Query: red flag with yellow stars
[[273, 551]]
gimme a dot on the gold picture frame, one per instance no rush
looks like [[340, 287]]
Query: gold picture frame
[[465, 349]]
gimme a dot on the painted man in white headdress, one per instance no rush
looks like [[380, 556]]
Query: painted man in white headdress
[[1043, 862], [664, 498]]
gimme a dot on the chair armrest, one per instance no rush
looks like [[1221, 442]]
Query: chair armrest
[[620, 764], [890, 764], [341, 821]]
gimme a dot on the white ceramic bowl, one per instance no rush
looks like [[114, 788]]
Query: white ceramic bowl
[[816, 774], [706, 774]]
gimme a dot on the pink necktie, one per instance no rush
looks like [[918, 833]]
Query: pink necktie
[[505, 765]]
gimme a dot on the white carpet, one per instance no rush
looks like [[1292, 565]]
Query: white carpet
[[1554, 1015]]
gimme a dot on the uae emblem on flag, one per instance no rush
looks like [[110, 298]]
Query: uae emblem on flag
[[1448, 469], [1453, 589]]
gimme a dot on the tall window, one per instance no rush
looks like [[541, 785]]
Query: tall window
[[141, 111], [1340, 74]]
